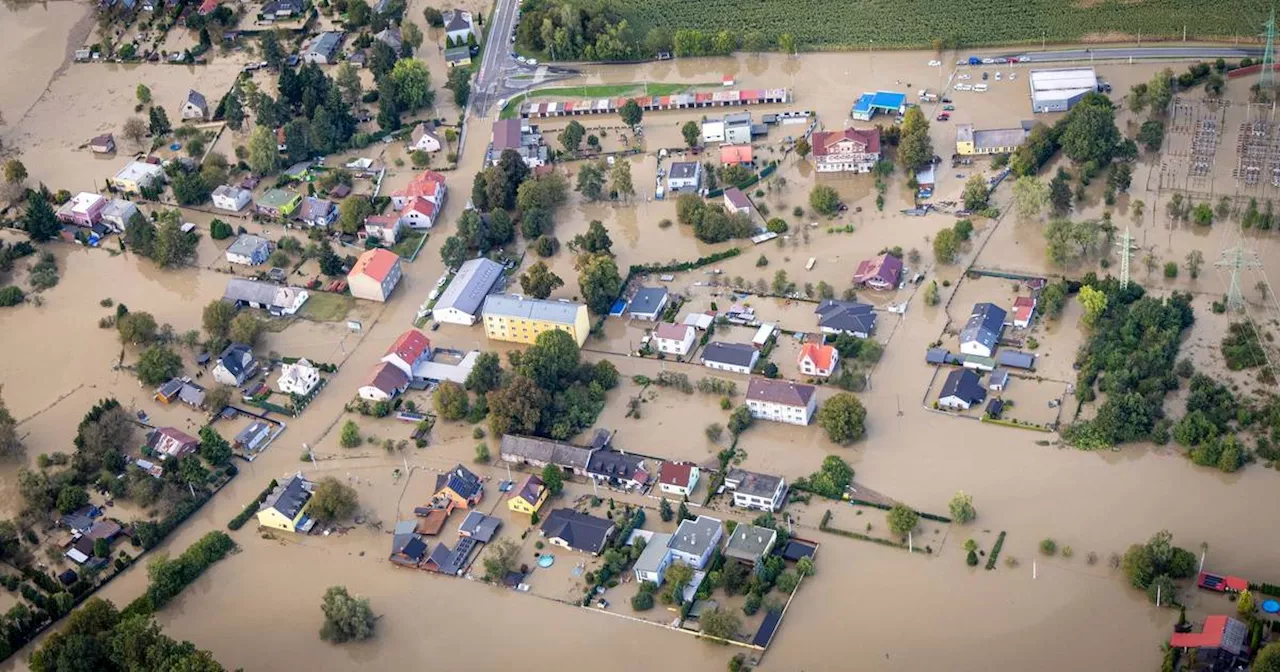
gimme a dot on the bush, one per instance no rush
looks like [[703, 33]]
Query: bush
[[1170, 269], [1048, 547], [972, 559], [252, 509]]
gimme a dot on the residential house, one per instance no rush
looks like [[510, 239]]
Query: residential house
[[419, 213], [192, 395], [781, 400], [528, 496], [103, 144], [195, 106], [451, 365], [737, 155], [518, 319], [235, 365], [737, 128], [298, 378], [276, 10], [520, 137], [846, 317], [852, 150], [712, 131], [1221, 645], [880, 273], [391, 37], [169, 442], [461, 301], [818, 360], [460, 486], [578, 531], [678, 478], [408, 549], [459, 28], [457, 56], [275, 299], [253, 438], [991, 141], [385, 228], [278, 203], [408, 350], [684, 176], [982, 331], [648, 303], [424, 138], [654, 559], [249, 250], [374, 275], [674, 339], [752, 490], [537, 453], [428, 184], [1016, 359], [84, 209], [736, 202], [749, 544], [480, 527], [1024, 309], [168, 392], [618, 470], [735, 357], [286, 507], [961, 390], [231, 198], [998, 381], [117, 214], [384, 382], [695, 540], [317, 212], [136, 176]]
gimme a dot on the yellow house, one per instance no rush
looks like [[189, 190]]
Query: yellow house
[[995, 141], [137, 175], [520, 319], [529, 497], [286, 507]]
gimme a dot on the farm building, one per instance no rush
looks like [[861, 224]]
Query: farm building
[[1058, 89], [871, 104]]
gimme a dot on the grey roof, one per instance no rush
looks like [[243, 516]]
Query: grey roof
[[613, 464], [749, 542], [647, 300], [936, 355], [251, 435], [736, 354], [170, 388], [846, 316], [389, 36], [1016, 359], [998, 378], [737, 118], [480, 527], [408, 547], [474, 281], [196, 98], [232, 358], [779, 391], [288, 498], [192, 394], [963, 384], [446, 559], [456, 21], [247, 244], [655, 551], [579, 530], [531, 309], [753, 483], [453, 54], [231, 191], [984, 325], [324, 44], [683, 170], [696, 536], [250, 291], [275, 6], [546, 451]]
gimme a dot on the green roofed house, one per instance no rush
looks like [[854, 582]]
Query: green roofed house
[[278, 203]]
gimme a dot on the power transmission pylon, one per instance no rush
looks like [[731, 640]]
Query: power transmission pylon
[[1268, 78], [1127, 247], [1236, 259]]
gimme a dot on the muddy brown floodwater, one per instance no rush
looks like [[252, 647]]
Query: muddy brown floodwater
[[868, 608]]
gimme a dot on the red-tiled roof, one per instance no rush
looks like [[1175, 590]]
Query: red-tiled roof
[[1214, 628], [675, 473], [386, 377], [208, 6], [376, 263], [421, 206], [735, 154], [426, 184], [1022, 307], [822, 356], [411, 345], [825, 141]]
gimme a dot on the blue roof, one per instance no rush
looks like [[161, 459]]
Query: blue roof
[[984, 325], [1017, 359], [648, 300], [864, 103], [963, 384], [887, 101]]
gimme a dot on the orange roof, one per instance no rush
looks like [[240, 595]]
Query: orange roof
[[735, 153], [410, 346], [1214, 628], [822, 356], [425, 184], [375, 263]]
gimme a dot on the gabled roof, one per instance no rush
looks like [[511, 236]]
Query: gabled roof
[[823, 357], [984, 325], [315, 208], [1220, 632], [530, 489], [736, 198], [1023, 306], [778, 391], [846, 316], [547, 451], [289, 498], [676, 473], [246, 245], [963, 384], [654, 553], [376, 263], [410, 346], [998, 378], [480, 527], [196, 98], [579, 530], [613, 464], [506, 134], [825, 142], [560, 312], [735, 154], [885, 268], [421, 206], [474, 281], [457, 20], [386, 377], [734, 354], [425, 184], [172, 442], [673, 332], [423, 130], [235, 357], [461, 481], [1017, 359]]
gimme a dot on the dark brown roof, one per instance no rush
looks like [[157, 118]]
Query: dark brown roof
[[779, 392]]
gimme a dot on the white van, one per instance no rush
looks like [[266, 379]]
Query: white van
[[979, 87]]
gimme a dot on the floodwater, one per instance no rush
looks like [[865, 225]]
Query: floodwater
[[853, 612]]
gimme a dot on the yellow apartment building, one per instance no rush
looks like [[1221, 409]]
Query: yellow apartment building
[[519, 319]]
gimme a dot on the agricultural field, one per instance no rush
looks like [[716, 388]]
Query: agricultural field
[[832, 24]]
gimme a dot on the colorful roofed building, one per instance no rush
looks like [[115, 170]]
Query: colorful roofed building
[[818, 360], [882, 272], [740, 155], [529, 496], [1220, 645], [460, 486], [428, 184]]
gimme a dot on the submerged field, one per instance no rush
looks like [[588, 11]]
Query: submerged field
[[836, 24]]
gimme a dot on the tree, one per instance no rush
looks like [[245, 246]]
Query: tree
[[348, 82], [595, 241], [665, 512], [1195, 259], [553, 478], [621, 177], [350, 437], [914, 148], [433, 17], [571, 136], [332, 500], [539, 281], [39, 219], [246, 328], [459, 82], [272, 53], [134, 129], [213, 447], [500, 558], [516, 408], [787, 43], [1151, 134], [358, 13], [411, 35], [962, 510], [803, 147], [412, 84], [158, 364], [591, 181], [1094, 303], [451, 401], [902, 519], [946, 246], [545, 193], [264, 152], [14, 172], [740, 420], [1268, 659], [136, 328], [352, 212], [975, 193], [720, 623], [1245, 605], [599, 282], [1202, 214], [10, 440], [631, 113], [143, 92], [843, 417], [1089, 132], [824, 200], [159, 122], [233, 111], [345, 617], [486, 375], [691, 132], [70, 498], [1060, 195]]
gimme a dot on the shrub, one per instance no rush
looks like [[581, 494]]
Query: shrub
[[1048, 547], [972, 559]]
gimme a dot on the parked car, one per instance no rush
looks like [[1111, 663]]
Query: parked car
[[986, 76], [998, 76], [533, 61], [988, 61], [949, 108], [934, 64], [944, 116], [946, 99]]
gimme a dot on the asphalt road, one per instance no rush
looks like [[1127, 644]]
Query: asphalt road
[[490, 82], [1123, 53]]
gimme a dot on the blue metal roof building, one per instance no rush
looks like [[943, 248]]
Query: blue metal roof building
[[871, 104]]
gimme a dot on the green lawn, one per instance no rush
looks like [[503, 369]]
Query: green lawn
[[408, 244], [327, 307], [512, 109]]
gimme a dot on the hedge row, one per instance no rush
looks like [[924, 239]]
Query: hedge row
[[168, 577], [685, 265], [825, 527], [885, 507], [995, 551], [250, 510], [1266, 588]]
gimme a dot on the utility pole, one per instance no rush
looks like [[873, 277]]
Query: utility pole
[[1267, 80], [1236, 259]]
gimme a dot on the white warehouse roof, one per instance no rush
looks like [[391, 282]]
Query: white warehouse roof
[[1062, 83]]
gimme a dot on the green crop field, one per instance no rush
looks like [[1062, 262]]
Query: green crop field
[[833, 24]]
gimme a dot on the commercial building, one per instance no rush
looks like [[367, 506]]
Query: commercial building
[[374, 275], [1058, 89], [461, 301], [781, 400], [869, 105], [970, 141], [853, 150], [514, 318]]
